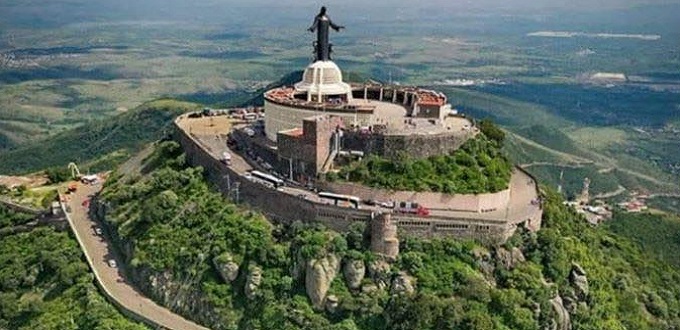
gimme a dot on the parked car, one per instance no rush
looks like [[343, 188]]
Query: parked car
[[112, 263], [98, 231]]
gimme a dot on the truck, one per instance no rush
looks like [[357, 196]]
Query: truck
[[226, 158], [412, 208]]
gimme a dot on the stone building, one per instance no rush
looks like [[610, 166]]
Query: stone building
[[384, 239], [310, 148]]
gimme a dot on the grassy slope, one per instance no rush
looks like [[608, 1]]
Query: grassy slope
[[124, 133]]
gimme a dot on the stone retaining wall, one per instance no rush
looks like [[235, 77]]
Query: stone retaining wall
[[437, 201]]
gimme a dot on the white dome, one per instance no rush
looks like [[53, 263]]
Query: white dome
[[323, 78]]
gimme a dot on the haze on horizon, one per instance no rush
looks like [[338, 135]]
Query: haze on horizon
[[61, 12]]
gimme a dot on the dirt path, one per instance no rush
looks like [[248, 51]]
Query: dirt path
[[620, 190]]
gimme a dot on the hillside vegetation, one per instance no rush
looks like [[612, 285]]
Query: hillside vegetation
[[105, 142], [477, 167], [233, 270], [655, 233], [46, 285]]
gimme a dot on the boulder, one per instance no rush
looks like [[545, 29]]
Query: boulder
[[562, 321], [509, 259], [369, 288], [579, 281], [253, 281], [402, 283], [379, 271], [332, 303], [354, 271], [484, 262], [319, 274], [226, 267]]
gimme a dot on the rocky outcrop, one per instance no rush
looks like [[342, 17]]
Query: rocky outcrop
[[226, 267], [354, 271], [579, 281], [253, 281], [509, 259], [562, 320], [319, 274], [402, 283], [380, 273], [485, 262], [369, 288]]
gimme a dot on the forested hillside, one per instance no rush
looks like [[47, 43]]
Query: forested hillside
[[234, 270], [46, 284], [102, 143]]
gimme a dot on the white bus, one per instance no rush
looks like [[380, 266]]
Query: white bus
[[355, 201], [268, 178]]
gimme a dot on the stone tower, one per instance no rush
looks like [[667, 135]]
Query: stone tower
[[384, 239]]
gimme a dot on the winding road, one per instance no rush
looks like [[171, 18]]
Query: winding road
[[112, 281]]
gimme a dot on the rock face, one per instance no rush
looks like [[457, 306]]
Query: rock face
[[253, 281], [579, 281], [226, 267], [319, 274], [509, 259], [354, 271], [379, 271], [402, 283], [562, 320]]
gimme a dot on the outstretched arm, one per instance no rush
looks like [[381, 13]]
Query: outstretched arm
[[335, 26], [314, 25]]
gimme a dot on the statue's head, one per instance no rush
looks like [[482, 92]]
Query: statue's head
[[323, 11]]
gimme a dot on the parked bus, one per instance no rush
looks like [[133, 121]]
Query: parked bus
[[268, 178], [341, 198]]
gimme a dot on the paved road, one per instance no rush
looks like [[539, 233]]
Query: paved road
[[98, 251]]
